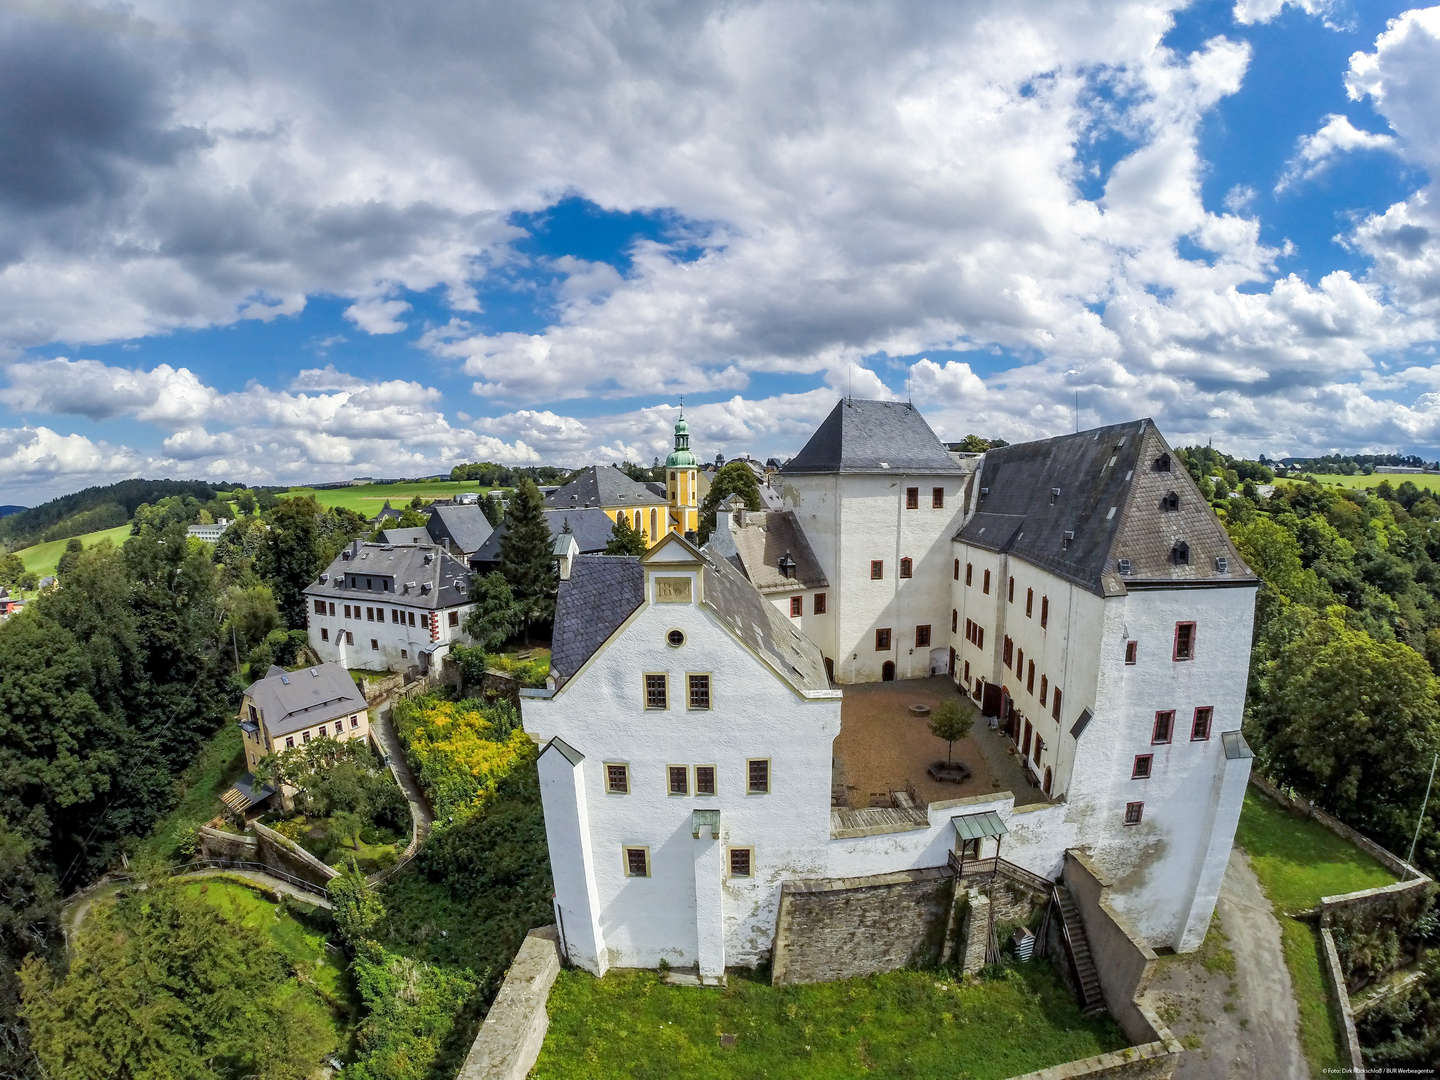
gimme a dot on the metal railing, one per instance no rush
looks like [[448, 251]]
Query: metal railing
[[996, 865], [241, 864]]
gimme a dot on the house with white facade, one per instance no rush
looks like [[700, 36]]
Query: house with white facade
[[385, 607], [1078, 590]]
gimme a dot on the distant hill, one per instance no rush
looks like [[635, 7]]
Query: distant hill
[[6, 511], [92, 509]]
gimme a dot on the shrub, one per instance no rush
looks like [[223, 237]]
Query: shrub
[[461, 749]]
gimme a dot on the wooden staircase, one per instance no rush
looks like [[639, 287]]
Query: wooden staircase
[[1077, 947]]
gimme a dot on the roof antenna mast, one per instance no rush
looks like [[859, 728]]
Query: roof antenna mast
[[1076, 414]]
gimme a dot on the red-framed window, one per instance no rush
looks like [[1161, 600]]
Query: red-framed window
[[1164, 726], [1029, 602], [922, 636], [1044, 612], [797, 606], [1055, 705], [967, 672], [1133, 812], [877, 569], [907, 567], [986, 587], [1044, 688], [954, 619], [1200, 725], [1132, 651], [937, 498], [1141, 769], [912, 498], [1030, 678], [882, 639], [1184, 641], [1007, 651]]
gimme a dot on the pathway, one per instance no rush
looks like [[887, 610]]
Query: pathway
[[382, 727], [1240, 1024]]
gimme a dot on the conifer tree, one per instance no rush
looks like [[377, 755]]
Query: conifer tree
[[625, 539], [525, 557]]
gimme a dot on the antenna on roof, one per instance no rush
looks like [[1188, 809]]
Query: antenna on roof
[[1077, 410], [850, 382]]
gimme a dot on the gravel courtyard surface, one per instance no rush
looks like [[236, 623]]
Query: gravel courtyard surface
[[882, 746]]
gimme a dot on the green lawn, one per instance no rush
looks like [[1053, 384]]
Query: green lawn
[[914, 1024], [368, 499], [219, 761], [43, 558], [1424, 481], [1298, 861]]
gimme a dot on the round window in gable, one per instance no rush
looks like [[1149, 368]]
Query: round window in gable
[[676, 638]]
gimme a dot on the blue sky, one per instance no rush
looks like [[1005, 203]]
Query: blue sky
[[225, 257]]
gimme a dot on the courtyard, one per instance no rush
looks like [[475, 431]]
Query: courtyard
[[883, 746]]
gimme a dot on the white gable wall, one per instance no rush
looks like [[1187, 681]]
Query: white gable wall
[[754, 714]]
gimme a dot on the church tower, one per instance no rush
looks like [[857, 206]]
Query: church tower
[[681, 481]]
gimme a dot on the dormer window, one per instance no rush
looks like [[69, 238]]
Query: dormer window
[[1180, 553], [787, 565], [1162, 463], [1054, 494], [1067, 539], [1170, 502]]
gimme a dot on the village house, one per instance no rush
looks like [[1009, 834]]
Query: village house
[[1078, 590], [285, 710], [385, 607]]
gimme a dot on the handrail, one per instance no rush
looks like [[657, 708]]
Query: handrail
[[993, 865], [243, 864], [1069, 944]]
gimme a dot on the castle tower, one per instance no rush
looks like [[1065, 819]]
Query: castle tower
[[681, 481]]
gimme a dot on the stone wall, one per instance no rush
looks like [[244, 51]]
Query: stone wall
[[281, 853], [1122, 961], [219, 844], [837, 928], [1340, 998], [1154, 1061], [509, 1041]]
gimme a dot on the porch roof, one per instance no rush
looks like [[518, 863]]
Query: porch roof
[[975, 826]]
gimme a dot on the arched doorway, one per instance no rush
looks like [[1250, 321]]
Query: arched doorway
[[887, 672], [1046, 786]]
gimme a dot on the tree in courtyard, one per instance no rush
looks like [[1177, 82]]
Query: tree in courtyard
[[625, 539], [496, 615], [950, 722], [735, 478], [526, 560]]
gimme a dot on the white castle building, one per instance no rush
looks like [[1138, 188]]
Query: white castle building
[[1078, 589]]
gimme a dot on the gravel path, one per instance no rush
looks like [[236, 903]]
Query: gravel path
[[1245, 1023], [382, 726]]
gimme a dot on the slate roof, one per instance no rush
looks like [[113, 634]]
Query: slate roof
[[1106, 489], [603, 590], [403, 568], [465, 526], [599, 595], [412, 537], [300, 699], [763, 540], [873, 437], [602, 485], [589, 524], [387, 513]]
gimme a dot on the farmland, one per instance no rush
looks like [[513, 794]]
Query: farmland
[[42, 558], [1424, 481], [367, 499]]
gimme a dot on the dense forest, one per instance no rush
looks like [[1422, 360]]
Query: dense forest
[[94, 508], [489, 474], [110, 684]]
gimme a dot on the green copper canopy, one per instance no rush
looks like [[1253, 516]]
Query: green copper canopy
[[681, 457]]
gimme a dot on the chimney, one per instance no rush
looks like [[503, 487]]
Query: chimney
[[729, 516]]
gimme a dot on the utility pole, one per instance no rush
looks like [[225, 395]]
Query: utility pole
[[1410, 858]]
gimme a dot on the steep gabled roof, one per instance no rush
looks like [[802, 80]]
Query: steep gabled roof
[[599, 595], [873, 437], [589, 525], [1107, 490], [601, 485], [761, 626], [763, 540], [465, 526], [408, 570]]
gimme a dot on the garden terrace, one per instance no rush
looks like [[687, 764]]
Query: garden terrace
[[884, 746], [916, 1024]]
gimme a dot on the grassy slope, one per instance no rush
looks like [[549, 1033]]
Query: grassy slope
[[367, 499], [219, 761], [1424, 481], [1298, 861], [301, 943], [913, 1024], [42, 558]]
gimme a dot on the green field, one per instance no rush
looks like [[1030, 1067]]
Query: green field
[[1424, 481], [42, 558], [367, 499], [914, 1024], [1298, 861]]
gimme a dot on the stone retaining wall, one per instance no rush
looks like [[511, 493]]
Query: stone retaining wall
[[219, 844], [281, 853], [838, 928], [1154, 1061], [514, 1030], [1340, 998]]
